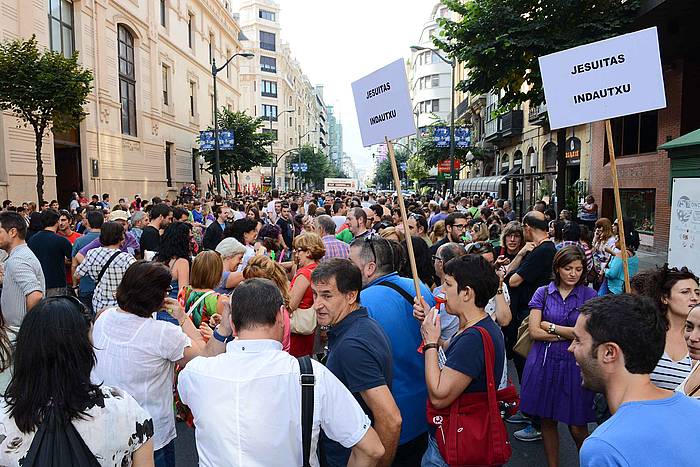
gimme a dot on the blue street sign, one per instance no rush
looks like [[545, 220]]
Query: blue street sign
[[403, 166], [441, 136], [463, 137], [296, 167], [206, 140]]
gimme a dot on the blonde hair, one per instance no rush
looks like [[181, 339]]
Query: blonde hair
[[438, 232], [312, 243], [389, 232], [262, 266], [207, 270], [206, 210], [481, 232]]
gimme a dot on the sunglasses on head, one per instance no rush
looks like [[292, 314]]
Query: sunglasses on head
[[479, 248]]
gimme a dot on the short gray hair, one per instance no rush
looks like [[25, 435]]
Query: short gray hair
[[326, 224], [377, 249], [229, 247]]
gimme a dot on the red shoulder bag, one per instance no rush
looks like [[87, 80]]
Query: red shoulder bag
[[471, 432]]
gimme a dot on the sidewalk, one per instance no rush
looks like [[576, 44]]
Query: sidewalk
[[650, 260]]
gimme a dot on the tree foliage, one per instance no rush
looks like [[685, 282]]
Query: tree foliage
[[44, 89], [251, 147], [416, 168], [499, 41], [382, 175], [318, 166]]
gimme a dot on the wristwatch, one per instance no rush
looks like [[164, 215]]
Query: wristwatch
[[220, 338], [499, 292], [552, 329], [432, 345]]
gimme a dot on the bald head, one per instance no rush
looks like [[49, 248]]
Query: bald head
[[537, 223]]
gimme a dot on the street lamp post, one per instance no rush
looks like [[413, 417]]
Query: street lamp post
[[273, 163], [214, 72], [453, 64]]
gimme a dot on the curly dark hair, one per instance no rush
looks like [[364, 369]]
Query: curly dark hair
[[662, 281], [175, 243]]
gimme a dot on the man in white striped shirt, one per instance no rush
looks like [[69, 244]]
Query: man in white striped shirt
[[23, 281]]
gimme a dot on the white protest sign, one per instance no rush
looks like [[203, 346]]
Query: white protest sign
[[383, 104], [684, 235], [605, 79]]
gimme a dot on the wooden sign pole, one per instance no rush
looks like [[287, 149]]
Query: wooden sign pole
[[618, 206], [404, 217]]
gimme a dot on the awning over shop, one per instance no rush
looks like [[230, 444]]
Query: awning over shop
[[485, 184], [683, 146]]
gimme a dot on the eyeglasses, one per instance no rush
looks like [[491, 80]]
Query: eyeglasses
[[436, 258], [368, 239], [460, 226]]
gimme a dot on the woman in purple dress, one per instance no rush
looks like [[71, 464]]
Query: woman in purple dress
[[551, 385]]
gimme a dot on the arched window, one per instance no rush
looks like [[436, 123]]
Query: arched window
[[505, 161], [531, 160], [518, 158], [127, 80], [550, 156]]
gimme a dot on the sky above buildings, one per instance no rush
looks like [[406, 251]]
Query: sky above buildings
[[339, 41]]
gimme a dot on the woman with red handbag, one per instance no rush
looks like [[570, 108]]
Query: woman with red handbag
[[465, 422]]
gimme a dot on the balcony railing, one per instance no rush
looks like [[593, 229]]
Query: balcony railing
[[462, 107], [508, 124], [537, 115]]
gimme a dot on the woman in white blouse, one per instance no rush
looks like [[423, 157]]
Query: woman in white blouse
[[138, 353]]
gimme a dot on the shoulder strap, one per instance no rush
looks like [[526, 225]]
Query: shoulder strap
[[398, 289], [198, 301], [490, 361], [307, 380], [104, 268]]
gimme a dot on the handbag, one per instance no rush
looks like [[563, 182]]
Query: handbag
[[303, 321], [470, 431], [524, 342]]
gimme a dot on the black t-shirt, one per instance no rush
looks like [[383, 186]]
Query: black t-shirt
[[287, 231], [466, 354], [536, 271], [52, 251], [359, 356], [150, 239]]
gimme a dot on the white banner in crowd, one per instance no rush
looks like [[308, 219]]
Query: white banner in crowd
[[605, 79], [383, 104], [684, 237]]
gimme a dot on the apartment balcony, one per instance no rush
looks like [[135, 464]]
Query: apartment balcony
[[506, 125], [537, 115], [462, 108]]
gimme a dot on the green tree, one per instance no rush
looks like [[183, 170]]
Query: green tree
[[499, 42], [416, 168], [318, 166], [251, 147], [382, 175], [43, 88]]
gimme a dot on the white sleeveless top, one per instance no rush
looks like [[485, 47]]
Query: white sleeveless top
[[681, 387]]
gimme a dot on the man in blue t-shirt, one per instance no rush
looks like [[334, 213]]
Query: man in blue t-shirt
[[618, 340], [389, 300], [359, 355]]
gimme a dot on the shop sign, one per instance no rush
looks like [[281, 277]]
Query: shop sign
[[573, 151], [444, 166], [684, 241]]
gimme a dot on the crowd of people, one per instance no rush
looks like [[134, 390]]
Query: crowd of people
[[120, 320]]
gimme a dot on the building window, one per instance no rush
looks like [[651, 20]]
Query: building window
[[168, 163], [634, 134], [269, 111], [435, 81], [268, 15], [166, 97], [193, 101], [272, 132], [268, 88], [430, 106], [190, 32], [211, 48], [267, 40], [163, 12], [61, 26], [290, 121], [640, 205], [549, 153], [127, 80], [228, 65], [268, 64]]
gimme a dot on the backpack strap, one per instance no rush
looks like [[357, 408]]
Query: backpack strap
[[104, 268], [201, 298], [398, 289], [308, 381]]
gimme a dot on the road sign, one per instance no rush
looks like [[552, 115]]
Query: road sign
[[383, 104], [206, 140], [463, 137], [606, 79], [441, 136], [403, 166]]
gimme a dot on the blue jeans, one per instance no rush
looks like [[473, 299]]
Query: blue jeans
[[165, 456], [432, 456]]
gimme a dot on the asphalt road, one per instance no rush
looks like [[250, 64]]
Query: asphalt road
[[529, 454]]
